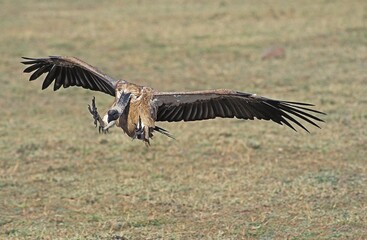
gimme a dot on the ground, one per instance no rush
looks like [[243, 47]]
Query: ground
[[221, 179]]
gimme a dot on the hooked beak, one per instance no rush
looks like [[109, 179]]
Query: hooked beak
[[112, 115]]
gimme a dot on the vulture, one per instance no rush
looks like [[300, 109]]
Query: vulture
[[136, 109]]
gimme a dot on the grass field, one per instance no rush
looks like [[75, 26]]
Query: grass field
[[221, 179]]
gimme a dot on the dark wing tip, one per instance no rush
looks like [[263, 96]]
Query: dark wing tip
[[299, 103], [28, 58], [68, 71], [294, 104], [302, 113], [289, 112]]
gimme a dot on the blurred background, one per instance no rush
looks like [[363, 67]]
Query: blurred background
[[221, 179]]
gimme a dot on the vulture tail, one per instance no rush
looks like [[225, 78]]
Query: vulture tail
[[163, 131]]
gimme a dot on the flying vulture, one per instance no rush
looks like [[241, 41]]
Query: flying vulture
[[137, 108]]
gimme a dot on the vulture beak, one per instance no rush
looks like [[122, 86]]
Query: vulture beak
[[114, 113]]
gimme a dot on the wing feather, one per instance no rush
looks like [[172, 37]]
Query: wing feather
[[199, 111], [194, 109], [59, 81], [211, 113], [49, 78], [176, 112], [219, 112], [170, 113], [69, 71], [187, 113], [247, 114], [228, 107], [41, 70], [32, 67], [205, 109], [302, 115], [63, 75]]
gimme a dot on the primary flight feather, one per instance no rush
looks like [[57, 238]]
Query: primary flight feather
[[137, 108]]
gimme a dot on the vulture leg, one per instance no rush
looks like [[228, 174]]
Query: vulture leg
[[140, 133], [139, 130], [97, 118]]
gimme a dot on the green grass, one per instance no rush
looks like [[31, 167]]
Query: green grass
[[221, 179]]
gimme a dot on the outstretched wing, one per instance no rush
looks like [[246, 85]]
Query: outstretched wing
[[200, 105], [69, 71]]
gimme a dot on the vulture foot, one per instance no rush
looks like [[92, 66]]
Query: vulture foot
[[97, 118]]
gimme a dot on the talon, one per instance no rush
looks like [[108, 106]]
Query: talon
[[102, 130]]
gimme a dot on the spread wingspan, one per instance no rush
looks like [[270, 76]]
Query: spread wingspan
[[201, 105]]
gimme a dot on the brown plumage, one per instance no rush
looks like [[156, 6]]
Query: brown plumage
[[137, 108]]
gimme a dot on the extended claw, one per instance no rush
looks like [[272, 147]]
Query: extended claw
[[102, 130]]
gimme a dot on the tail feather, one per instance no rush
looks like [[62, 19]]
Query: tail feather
[[163, 131]]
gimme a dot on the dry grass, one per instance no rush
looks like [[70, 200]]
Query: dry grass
[[222, 179]]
